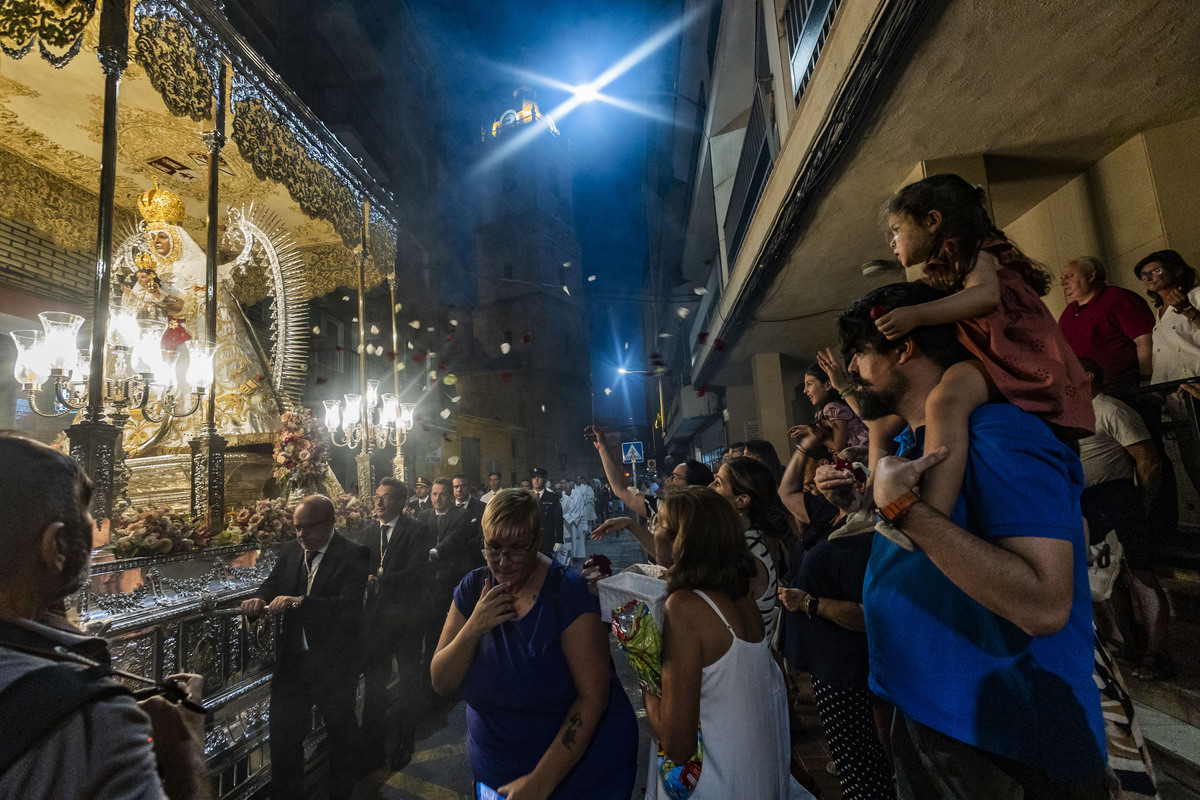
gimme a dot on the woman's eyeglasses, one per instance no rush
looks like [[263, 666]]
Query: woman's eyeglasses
[[1151, 272], [513, 554]]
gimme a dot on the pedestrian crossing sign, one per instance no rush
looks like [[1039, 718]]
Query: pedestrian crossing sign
[[631, 452]]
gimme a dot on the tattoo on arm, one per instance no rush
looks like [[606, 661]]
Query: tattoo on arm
[[568, 738]]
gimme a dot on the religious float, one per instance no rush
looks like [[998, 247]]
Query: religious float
[[188, 401]]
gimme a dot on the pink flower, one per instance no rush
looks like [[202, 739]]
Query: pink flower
[[243, 516]]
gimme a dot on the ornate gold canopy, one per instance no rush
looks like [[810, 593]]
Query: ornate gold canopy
[[283, 158]]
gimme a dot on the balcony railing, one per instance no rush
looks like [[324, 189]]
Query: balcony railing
[[754, 165], [807, 24]]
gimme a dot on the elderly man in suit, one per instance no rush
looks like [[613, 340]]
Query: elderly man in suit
[[456, 550], [396, 594], [552, 516], [317, 587]]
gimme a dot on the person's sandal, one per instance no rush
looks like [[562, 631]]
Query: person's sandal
[[1155, 667], [860, 522], [895, 535]]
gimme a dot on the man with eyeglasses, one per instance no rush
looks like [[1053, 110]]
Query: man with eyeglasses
[[397, 595], [317, 587], [1107, 323]]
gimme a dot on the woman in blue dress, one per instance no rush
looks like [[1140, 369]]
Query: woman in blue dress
[[524, 644]]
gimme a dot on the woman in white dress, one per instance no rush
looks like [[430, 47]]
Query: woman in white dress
[[718, 676]]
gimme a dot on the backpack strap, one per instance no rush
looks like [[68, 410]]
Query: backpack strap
[[34, 704]]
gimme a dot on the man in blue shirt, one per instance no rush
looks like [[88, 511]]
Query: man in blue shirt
[[982, 635]]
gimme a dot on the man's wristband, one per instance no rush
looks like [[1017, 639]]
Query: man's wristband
[[895, 511], [844, 393]]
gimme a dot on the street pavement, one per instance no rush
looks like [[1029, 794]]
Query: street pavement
[[439, 768]]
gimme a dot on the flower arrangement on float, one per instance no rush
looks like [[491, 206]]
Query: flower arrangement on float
[[268, 521], [349, 513], [301, 452], [156, 531]]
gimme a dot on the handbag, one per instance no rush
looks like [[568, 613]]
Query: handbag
[[1104, 564]]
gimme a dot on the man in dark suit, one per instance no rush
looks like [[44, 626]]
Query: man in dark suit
[[552, 518], [395, 622], [464, 501], [455, 552], [317, 586], [420, 501]]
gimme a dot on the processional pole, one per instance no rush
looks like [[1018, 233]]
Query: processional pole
[[366, 472], [401, 434], [208, 449], [95, 440]]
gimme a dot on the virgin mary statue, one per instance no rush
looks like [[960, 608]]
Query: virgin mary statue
[[169, 271]]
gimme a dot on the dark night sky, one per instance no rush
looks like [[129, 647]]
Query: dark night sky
[[484, 50]]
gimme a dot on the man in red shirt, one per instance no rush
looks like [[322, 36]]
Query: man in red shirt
[[1106, 323]]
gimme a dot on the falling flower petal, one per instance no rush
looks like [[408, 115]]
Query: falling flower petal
[[410, 346], [450, 379], [397, 308], [316, 330], [442, 365], [320, 381], [527, 338], [700, 290], [453, 323], [444, 413], [337, 349], [543, 409], [346, 297], [607, 390], [505, 347], [664, 336], [703, 390], [452, 461], [390, 355], [360, 349], [627, 345], [504, 376], [399, 366], [449, 336], [433, 376], [354, 319], [682, 312], [418, 357], [429, 329], [591, 278], [565, 289], [456, 398], [374, 329], [702, 338], [415, 324], [718, 344]]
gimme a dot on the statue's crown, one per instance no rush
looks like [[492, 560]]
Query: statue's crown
[[159, 205]]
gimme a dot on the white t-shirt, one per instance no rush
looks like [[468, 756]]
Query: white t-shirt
[[1176, 344], [1104, 456]]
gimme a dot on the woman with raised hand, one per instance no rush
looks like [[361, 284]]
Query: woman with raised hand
[[524, 644]]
